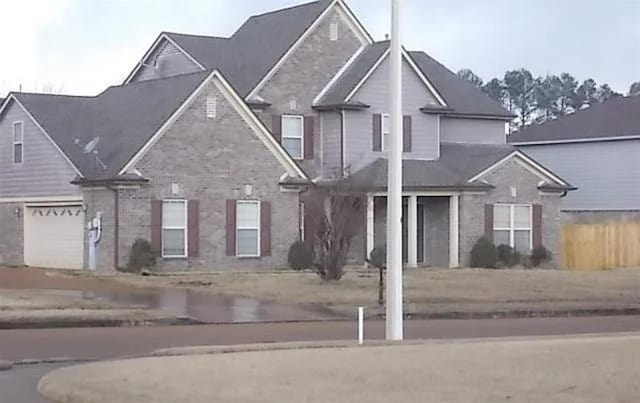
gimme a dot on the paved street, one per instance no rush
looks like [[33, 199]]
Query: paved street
[[18, 385]]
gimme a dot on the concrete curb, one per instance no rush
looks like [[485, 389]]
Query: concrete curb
[[5, 365], [72, 322], [243, 348]]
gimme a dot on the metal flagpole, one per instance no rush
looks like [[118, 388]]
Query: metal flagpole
[[394, 326]]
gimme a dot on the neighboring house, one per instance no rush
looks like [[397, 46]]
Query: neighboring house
[[208, 147], [598, 149]]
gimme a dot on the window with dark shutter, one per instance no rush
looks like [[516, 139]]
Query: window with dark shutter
[[308, 137], [193, 227], [276, 127], [406, 134], [265, 228], [536, 216], [231, 228], [488, 221], [377, 132], [156, 226]]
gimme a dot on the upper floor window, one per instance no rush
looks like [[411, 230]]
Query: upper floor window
[[18, 139], [293, 135], [386, 129], [174, 228], [512, 226], [248, 228]]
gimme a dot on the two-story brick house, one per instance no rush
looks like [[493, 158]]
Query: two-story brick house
[[207, 148]]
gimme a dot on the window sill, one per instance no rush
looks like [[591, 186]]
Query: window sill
[[249, 257], [169, 258]]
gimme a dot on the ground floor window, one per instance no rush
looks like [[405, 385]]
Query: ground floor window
[[512, 226], [248, 228], [174, 228]]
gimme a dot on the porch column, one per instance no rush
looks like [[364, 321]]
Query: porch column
[[412, 227], [370, 225], [454, 231]]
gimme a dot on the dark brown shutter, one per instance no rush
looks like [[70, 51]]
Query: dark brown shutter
[[406, 134], [308, 137], [193, 227], [488, 221], [276, 127], [231, 228], [265, 228], [156, 226], [537, 225], [377, 132]]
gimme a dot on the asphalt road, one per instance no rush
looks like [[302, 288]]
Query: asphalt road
[[18, 385]]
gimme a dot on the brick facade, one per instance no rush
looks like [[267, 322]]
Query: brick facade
[[305, 73], [510, 174], [211, 160]]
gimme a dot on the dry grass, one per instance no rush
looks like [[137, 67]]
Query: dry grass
[[438, 289]]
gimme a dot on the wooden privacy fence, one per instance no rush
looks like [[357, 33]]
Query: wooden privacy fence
[[600, 246]]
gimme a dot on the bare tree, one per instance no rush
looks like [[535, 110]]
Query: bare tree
[[334, 214]]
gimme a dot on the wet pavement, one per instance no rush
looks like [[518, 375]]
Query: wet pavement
[[181, 303], [20, 384]]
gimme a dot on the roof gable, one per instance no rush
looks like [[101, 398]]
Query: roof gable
[[292, 169], [253, 53], [616, 118], [120, 120]]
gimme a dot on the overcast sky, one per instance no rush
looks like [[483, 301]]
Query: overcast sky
[[82, 46]]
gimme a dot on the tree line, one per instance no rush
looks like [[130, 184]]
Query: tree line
[[539, 99]]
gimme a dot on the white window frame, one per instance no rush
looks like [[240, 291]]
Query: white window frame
[[185, 228], [383, 143], [257, 228], [301, 137], [512, 221], [15, 143]]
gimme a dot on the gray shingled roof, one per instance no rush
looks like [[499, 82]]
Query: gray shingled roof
[[616, 117], [123, 118], [248, 55], [354, 74], [461, 97], [464, 97], [457, 164]]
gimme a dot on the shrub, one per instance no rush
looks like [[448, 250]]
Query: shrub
[[483, 254], [378, 256], [508, 256], [141, 256], [540, 255], [300, 255]]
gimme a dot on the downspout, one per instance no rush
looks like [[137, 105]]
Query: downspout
[[116, 226]]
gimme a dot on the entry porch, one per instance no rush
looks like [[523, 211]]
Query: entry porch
[[430, 227]]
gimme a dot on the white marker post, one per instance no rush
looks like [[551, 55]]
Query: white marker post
[[394, 326], [360, 325]]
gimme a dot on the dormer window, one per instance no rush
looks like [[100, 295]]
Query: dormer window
[[18, 142], [293, 135]]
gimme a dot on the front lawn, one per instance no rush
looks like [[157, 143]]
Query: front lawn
[[425, 290]]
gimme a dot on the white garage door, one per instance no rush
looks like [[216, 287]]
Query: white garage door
[[54, 236]]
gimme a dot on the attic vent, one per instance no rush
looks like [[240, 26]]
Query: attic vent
[[211, 107], [293, 104], [333, 31]]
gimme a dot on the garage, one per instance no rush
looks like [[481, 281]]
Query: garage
[[54, 236]]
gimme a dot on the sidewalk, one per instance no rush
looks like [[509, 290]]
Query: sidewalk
[[551, 370]]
